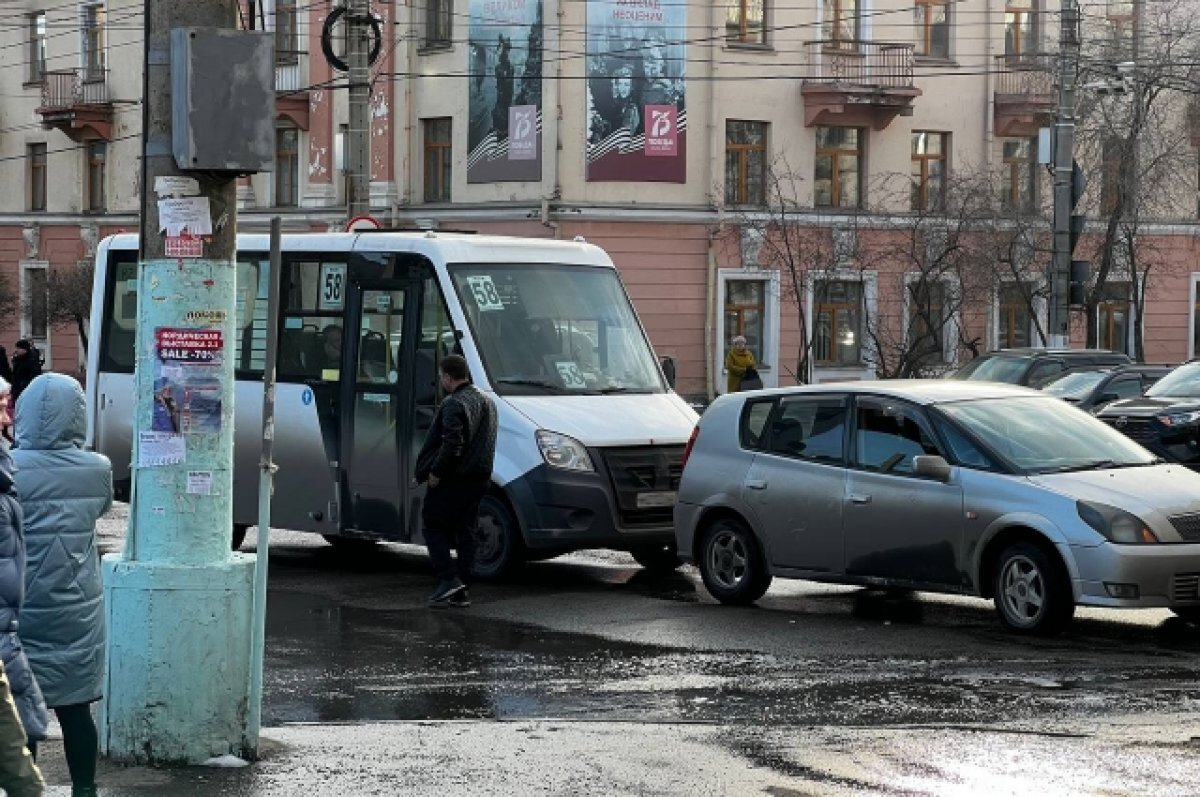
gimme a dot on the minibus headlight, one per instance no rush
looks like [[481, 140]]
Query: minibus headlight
[[561, 451], [1116, 525]]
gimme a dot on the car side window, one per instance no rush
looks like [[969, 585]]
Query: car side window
[[753, 426], [888, 434], [1126, 388], [810, 427], [1042, 371]]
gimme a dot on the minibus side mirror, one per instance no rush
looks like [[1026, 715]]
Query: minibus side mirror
[[668, 369]]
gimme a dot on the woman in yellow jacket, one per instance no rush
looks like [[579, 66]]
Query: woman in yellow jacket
[[737, 362]]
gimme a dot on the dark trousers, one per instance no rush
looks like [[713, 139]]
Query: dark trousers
[[81, 742], [450, 514]]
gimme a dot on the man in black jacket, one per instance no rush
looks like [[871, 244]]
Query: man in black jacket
[[456, 463]]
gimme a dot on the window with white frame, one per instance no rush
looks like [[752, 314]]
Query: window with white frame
[[1014, 319], [837, 322], [37, 46], [94, 41], [1113, 317], [286, 38], [931, 324], [35, 306], [745, 313]]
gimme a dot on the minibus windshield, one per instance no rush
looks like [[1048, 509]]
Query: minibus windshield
[[555, 329]]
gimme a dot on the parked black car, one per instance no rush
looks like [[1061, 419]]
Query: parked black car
[[1167, 419], [1092, 387], [1034, 367]]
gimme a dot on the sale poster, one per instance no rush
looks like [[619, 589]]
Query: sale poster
[[188, 396]]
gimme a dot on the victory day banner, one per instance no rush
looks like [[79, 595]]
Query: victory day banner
[[637, 122], [505, 84]]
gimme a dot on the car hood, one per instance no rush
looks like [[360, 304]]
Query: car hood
[[1146, 406], [632, 420], [1168, 489]]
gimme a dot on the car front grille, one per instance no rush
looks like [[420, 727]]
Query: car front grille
[[644, 469], [1137, 429], [1188, 526], [1186, 587]]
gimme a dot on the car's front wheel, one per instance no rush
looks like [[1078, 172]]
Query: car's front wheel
[[499, 546], [1031, 593], [732, 564]]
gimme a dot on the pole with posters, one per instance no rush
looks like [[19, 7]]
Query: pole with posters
[[177, 599]]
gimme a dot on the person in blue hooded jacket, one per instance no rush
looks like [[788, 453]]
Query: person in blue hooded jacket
[[64, 490], [24, 688]]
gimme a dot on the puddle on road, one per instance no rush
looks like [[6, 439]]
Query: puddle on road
[[333, 663]]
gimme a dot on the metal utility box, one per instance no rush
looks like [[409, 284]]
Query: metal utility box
[[223, 100]]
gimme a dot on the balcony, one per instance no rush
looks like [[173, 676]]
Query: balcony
[[291, 93], [1024, 94], [76, 101], [858, 83]]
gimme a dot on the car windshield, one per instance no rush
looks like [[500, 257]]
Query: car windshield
[[1074, 387], [993, 368], [1183, 382], [1043, 434], [550, 329]]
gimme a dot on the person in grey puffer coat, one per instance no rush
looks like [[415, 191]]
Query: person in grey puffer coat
[[64, 490], [25, 693]]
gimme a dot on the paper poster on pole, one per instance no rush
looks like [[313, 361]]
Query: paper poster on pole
[[199, 482], [185, 213], [188, 395], [156, 449]]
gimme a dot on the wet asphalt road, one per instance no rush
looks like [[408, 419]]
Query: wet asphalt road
[[608, 680]]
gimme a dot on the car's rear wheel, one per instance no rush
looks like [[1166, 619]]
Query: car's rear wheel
[[1189, 613], [1032, 594], [662, 558], [731, 562]]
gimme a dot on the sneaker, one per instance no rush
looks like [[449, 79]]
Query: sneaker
[[460, 599], [445, 590]]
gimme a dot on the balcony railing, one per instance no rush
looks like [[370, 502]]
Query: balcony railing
[[860, 63], [288, 78], [66, 88], [1025, 75]]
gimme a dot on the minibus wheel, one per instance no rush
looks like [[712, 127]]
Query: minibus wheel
[[239, 535], [499, 547], [660, 558]]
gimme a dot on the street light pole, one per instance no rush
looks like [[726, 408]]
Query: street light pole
[[1064, 168], [358, 132]]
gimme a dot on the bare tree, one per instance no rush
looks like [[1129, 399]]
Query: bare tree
[[69, 296]]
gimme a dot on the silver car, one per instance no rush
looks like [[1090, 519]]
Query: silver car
[[948, 486]]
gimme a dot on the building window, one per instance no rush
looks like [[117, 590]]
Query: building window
[[929, 151], [37, 47], [838, 182], [839, 25], [438, 23], [286, 37], [744, 22], [1113, 317], [745, 163], [837, 323], [97, 160], [1016, 317], [93, 42], [287, 167], [1110, 175], [932, 19], [1195, 317], [928, 319], [745, 308], [1020, 27], [1120, 17], [35, 155], [1018, 191], [437, 159], [37, 315]]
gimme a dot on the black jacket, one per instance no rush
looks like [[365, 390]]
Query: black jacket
[[462, 440], [25, 369]]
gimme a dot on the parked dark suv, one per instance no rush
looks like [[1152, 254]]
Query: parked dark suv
[[1093, 386], [1167, 419], [1033, 367]]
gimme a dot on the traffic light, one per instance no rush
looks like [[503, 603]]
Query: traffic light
[[1081, 270]]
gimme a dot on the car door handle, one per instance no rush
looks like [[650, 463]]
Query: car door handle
[[860, 498], [756, 484]]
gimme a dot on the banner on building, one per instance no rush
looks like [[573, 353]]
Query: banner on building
[[637, 122], [505, 85]]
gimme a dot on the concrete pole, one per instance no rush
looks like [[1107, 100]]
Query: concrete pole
[[358, 132], [178, 601], [1064, 150]]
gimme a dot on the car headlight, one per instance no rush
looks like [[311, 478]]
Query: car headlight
[[1179, 418], [564, 452], [1115, 525]]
